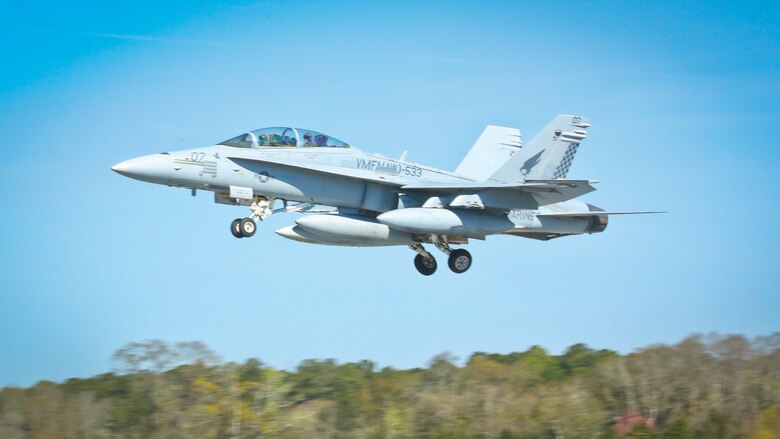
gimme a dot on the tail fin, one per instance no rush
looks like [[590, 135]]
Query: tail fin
[[549, 155], [490, 152]]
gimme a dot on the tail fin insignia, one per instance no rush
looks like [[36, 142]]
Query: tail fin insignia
[[563, 168], [549, 155], [529, 164]]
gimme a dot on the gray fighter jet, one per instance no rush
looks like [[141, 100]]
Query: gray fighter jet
[[500, 187]]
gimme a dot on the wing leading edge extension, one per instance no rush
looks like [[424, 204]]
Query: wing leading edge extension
[[253, 164]]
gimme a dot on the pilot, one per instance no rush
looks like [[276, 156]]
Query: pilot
[[321, 140], [262, 139], [307, 140]]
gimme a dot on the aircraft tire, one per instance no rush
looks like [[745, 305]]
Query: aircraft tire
[[234, 228], [459, 260], [247, 227], [425, 266]]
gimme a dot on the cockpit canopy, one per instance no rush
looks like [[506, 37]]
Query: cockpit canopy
[[284, 137]]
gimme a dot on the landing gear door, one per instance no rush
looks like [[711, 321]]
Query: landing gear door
[[241, 193], [231, 200]]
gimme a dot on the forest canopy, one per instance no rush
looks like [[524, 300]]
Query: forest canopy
[[709, 386]]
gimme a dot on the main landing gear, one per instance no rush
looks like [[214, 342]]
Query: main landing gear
[[246, 227], [459, 260], [425, 265]]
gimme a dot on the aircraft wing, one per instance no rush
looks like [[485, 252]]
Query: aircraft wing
[[456, 186], [368, 175], [529, 185], [544, 191]]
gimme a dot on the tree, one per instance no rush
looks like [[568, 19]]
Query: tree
[[156, 356]]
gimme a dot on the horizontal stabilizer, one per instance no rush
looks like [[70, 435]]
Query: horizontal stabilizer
[[596, 213]]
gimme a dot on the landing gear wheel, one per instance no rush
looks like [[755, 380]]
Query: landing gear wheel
[[247, 227], [426, 266], [235, 228], [459, 261]]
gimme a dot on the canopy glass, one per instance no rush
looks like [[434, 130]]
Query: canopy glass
[[284, 137]]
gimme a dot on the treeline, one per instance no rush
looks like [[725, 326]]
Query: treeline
[[703, 387]]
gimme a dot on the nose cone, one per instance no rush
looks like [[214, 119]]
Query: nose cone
[[121, 168], [155, 168]]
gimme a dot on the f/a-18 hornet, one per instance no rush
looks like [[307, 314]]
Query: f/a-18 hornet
[[500, 187]]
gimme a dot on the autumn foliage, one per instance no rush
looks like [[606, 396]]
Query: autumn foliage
[[703, 387]]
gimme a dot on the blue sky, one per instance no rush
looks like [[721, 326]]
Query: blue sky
[[684, 98]]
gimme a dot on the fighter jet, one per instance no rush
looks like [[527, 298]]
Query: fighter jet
[[501, 187]]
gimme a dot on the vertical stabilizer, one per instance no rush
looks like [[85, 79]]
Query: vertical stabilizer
[[550, 154], [490, 152]]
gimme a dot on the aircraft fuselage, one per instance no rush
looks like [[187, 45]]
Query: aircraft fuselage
[[501, 187]]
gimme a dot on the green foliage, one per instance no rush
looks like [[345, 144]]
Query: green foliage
[[678, 429], [315, 379], [132, 411], [719, 425], [608, 432], [536, 366], [442, 370], [102, 386], [251, 370], [580, 358], [641, 432], [350, 392]]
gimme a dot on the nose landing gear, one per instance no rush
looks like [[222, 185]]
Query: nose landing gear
[[235, 228], [243, 227], [246, 227]]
